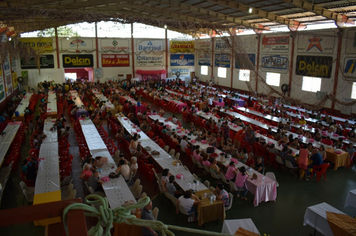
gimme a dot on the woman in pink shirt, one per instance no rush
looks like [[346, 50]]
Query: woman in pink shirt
[[196, 154], [241, 177], [231, 172], [303, 161], [205, 160]]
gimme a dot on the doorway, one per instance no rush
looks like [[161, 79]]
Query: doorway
[[79, 74]]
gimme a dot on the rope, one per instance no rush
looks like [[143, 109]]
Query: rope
[[107, 216]]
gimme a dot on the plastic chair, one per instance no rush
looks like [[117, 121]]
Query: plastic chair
[[71, 195], [166, 148], [155, 212], [224, 179], [272, 177], [29, 196], [207, 183], [172, 152], [214, 175], [137, 192], [184, 212], [177, 156], [231, 198], [320, 170]]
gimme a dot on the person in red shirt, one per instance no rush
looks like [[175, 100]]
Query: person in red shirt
[[327, 141]]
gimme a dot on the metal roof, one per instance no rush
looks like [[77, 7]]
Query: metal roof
[[187, 16]]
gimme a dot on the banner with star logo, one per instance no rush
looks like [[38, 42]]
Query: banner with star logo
[[322, 42]]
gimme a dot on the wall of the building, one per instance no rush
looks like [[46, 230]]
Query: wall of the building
[[322, 43]]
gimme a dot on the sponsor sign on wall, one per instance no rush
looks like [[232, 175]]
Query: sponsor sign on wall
[[46, 62], [14, 80], [77, 60], [2, 86], [222, 60], [8, 78], [182, 46], [77, 44], [274, 62], [183, 71], [204, 52], [350, 68], [115, 60], [38, 44], [149, 60], [350, 46], [316, 43], [150, 46], [245, 61], [115, 45], [316, 66], [277, 44], [182, 59], [221, 45]]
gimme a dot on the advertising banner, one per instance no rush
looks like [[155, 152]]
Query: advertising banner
[[183, 71], [46, 62], [115, 60], [222, 60], [275, 62], [278, 44], [182, 46], [151, 60], [349, 68], [221, 45], [150, 46], [182, 59], [314, 66], [77, 44], [14, 80], [350, 46], [38, 44], [2, 85], [115, 45], [204, 52], [8, 79], [316, 43], [242, 63], [77, 60]]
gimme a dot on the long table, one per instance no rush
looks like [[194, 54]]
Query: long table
[[231, 226], [47, 187], [116, 190], [7, 137], [316, 217], [263, 187], [25, 102], [52, 104], [104, 99], [165, 161]]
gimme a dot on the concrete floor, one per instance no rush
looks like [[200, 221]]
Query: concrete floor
[[280, 218]]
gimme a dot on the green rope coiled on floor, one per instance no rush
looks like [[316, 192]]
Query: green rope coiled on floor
[[108, 216]]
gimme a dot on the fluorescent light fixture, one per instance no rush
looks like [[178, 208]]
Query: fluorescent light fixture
[[250, 10]]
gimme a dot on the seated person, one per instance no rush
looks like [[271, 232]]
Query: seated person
[[231, 172], [146, 214], [214, 167], [289, 157], [196, 154], [243, 156], [241, 177], [351, 150], [259, 165], [316, 159], [222, 194], [187, 202], [295, 144], [124, 169], [327, 141], [206, 161], [134, 165], [86, 173], [171, 188], [95, 182], [339, 144], [250, 160]]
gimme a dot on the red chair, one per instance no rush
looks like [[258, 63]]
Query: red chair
[[320, 170]]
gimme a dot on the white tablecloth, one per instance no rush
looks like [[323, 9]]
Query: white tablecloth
[[48, 174], [117, 192], [48, 166], [52, 102], [92, 136], [24, 103], [51, 134], [351, 199], [78, 102], [231, 226], [6, 139], [166, 161], [102, 98], [315, 216]]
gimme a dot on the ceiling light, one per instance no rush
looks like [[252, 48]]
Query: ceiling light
[[250, 10]]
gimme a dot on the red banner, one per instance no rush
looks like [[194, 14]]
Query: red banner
[[115, 60]]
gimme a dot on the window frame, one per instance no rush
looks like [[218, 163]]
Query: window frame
[[279, 81], [249, 74], [219, 68], [311, 86]]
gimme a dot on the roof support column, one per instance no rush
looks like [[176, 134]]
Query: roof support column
[[337, 66]]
